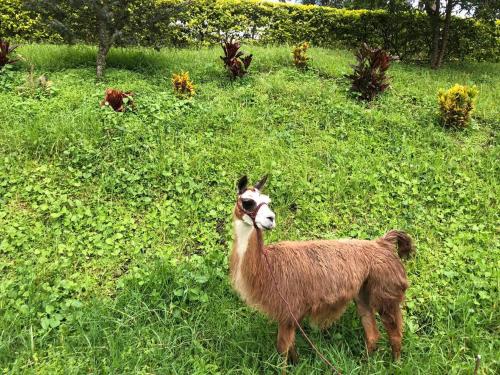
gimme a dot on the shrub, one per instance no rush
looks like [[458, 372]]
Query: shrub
[[299, 53], [234, 60], [118, 100], [183, 86], [5, 50], [369, 76], [456, 105]]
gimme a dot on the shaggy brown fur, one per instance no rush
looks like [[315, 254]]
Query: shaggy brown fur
[[320, 278]]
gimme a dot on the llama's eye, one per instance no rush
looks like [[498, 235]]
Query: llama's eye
[[248, 204]]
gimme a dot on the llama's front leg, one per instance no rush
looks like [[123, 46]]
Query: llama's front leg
[[286, 342]]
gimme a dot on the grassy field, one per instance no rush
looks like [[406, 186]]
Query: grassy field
[[115, 228]]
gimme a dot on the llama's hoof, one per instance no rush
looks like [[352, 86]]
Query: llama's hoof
[[293, 357], [371, 347]]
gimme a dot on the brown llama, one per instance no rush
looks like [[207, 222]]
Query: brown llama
[[318, 278]]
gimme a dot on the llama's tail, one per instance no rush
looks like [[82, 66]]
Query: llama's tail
[[403, 241]]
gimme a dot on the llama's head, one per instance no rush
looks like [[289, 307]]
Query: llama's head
[[252, 207]]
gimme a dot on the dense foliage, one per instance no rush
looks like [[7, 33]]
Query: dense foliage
[[456, 105], [407, 35], [17, 21], [369, 76], [115, 227]]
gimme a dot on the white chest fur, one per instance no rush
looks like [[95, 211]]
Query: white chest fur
[[243, 231]]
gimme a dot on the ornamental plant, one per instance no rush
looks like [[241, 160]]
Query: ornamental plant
[[456, 105], [5, 50], [299, 54], [369, 76], [183, 86], [235, 60], [118, 100]]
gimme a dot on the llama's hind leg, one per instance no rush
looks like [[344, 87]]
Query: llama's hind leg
[[367, 315], [286, 342], [393, 323]]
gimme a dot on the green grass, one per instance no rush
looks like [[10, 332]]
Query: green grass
[[115, 228]]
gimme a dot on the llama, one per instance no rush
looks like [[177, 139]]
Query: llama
[[317, 278]]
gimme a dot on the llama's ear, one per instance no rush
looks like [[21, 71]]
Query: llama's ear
[[242, 184], [259, 185]]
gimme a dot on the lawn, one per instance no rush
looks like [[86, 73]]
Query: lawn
[[115, 228]]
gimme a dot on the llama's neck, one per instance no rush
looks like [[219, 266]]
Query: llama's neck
[[246, 238], [242, 236], [246, 258]]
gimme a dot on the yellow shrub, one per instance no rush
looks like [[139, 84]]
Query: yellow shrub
[[183, 86], [299, 53], [456, 105]]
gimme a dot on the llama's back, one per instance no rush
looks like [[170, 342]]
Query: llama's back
[[323, 273], [326, 270]]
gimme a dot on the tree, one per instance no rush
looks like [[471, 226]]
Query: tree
[[488, 10], [485, 9], [433, 9], [101, 21]]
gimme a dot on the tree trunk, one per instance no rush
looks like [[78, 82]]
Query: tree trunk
[[435, 19], [446, 31], [102, 52], [104, 44]]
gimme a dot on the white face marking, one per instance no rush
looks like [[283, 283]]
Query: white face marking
[[265, 218]]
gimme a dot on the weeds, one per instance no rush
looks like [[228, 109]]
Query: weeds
[[36, 87]]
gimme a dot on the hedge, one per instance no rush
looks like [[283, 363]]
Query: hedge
[[204, 22], [20, 24]]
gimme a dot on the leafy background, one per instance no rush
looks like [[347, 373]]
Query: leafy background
[[160, 23]]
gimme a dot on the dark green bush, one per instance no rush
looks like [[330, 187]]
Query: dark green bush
[[202, 22]]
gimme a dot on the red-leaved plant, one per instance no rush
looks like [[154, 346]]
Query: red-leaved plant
[[369, 76], [118, 100], [234, 60], [5, 50]]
